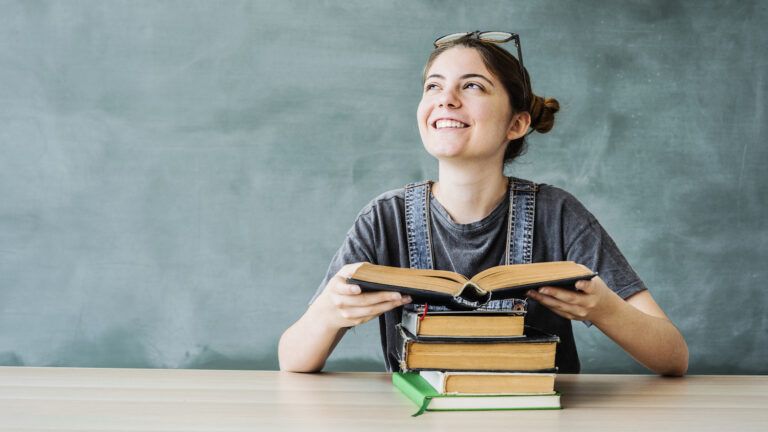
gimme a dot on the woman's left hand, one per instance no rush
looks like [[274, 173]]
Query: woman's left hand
[[591, 301]]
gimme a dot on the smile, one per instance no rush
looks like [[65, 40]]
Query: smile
[[449, 124]]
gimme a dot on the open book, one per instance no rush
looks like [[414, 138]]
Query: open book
[[451, 289]]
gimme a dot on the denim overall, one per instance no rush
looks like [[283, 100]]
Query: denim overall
[[519, 244]]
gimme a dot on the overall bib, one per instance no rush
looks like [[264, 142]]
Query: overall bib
[[520, 223], [518, 250]]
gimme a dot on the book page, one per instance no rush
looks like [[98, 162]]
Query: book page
[[434, 280], [522, 274]]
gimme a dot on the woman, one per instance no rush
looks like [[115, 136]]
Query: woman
[[476, 108]]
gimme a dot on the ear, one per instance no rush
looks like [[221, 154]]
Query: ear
[[519, 124]]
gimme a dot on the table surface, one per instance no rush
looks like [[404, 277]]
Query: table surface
[[82, 399]]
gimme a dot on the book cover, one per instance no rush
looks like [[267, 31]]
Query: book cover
[[426, 398], [463, 324], [535, 351], [490, 382]]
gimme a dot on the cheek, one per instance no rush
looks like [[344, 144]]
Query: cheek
[[490, 112], [498, 116], [422, 113]]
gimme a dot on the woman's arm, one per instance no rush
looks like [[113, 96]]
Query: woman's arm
[[638, 324], [306, 345]]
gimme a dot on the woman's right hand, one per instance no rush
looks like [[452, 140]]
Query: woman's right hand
[[345, 305]]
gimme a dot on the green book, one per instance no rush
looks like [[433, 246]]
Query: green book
[[418, 390]]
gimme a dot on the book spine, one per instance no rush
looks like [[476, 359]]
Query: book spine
[[436, 379], [410, 322], [402, 348]]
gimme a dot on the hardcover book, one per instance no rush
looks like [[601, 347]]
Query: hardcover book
[[451, 289], [535, 351], [490, 382], [422, 322]]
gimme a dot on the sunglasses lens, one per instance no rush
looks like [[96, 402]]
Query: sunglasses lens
[[450, 37], [495, 36]]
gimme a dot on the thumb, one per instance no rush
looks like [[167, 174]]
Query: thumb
[[585, 286]]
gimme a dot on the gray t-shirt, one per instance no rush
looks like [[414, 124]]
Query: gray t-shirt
[[563, 231]]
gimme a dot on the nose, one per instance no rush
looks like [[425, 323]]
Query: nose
[[448, 99]]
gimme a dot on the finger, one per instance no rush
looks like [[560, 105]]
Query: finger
[[566, 310], [585, 286], [370, 311], [562, 294], [368, 299], [340, 286], [348, 270]]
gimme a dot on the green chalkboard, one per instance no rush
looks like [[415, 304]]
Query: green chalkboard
[[175, 176]]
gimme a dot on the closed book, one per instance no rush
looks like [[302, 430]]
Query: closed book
[[535, 351], [463, 323], [426, 398], [440, 287], [490, 382]]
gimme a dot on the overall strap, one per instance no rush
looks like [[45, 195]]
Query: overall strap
[[417, 225], [519, 246], [522, 209]]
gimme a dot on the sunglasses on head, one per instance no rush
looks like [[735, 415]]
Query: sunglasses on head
[[492, 37]]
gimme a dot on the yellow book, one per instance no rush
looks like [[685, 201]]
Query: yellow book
[[490, 382], [535, 351], [462, 323]]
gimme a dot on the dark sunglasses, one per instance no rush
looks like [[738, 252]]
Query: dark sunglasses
[[492, 37]]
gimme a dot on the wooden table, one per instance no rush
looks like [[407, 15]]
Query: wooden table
[[74, 399]]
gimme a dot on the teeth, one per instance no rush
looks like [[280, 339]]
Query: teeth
[[449, 124]]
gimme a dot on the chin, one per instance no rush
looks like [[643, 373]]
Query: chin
[[444, 151]]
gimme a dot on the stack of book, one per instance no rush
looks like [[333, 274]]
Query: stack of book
[[456, 352], [479, 360]]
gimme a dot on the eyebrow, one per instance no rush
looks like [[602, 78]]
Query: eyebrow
[[465, 76]]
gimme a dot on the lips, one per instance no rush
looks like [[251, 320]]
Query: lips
[[449, 123]]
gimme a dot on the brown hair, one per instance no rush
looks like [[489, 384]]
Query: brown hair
[[505, 67]]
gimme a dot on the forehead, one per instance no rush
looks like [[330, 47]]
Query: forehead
[[458, 61]]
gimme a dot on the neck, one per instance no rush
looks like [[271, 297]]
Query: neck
[[469, 192]]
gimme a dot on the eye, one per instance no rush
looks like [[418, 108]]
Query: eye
[[478, 86], [429, 86]]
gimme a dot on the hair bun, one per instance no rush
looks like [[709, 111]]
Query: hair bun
[[543, 113]]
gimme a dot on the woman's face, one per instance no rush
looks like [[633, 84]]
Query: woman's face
[[464, 110]]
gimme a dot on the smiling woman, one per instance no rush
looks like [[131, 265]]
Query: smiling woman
[[476, 109], [504, 77]]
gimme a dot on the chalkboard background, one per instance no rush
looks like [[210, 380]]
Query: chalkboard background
[[175, 176]]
